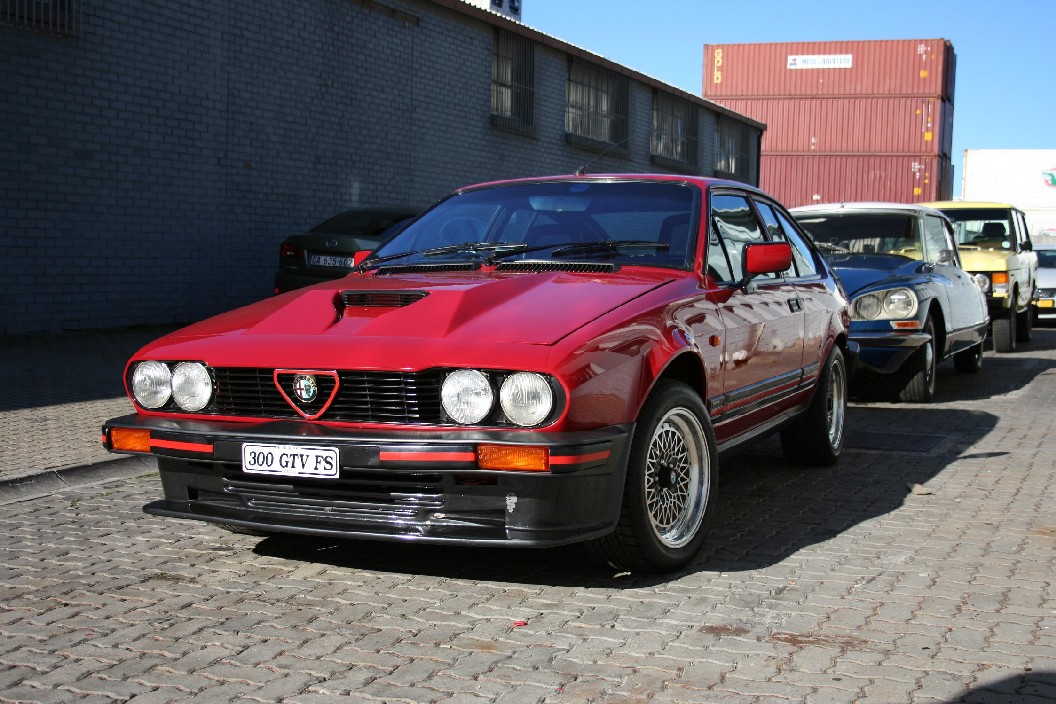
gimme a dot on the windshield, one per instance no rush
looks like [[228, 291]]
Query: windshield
[[864, 233], [983, 227], [623, 222]]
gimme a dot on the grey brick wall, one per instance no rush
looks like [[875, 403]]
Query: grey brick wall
[[150, 166]]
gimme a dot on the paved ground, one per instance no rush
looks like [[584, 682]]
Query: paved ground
[[825, 586]]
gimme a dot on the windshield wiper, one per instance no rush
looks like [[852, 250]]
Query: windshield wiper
[[609, 246], [462, 247]]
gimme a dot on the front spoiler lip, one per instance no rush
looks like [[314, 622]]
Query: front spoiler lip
[[467, 538]]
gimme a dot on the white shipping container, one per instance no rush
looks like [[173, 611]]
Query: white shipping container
[[1025, 178]]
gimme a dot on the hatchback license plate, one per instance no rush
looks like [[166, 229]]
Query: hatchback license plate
[[290, 460]]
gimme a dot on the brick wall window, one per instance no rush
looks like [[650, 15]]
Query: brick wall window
[[731, 148], [674, 129], [597, 103], [61, 17], [513, 82]]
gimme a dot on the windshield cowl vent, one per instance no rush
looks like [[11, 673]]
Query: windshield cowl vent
[[425, 268], [539, 267]]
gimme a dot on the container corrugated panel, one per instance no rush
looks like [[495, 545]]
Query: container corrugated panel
[[850, 125], [805, 179], [904, 67]]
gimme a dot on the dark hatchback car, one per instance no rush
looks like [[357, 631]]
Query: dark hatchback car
[[527, 363], [912, 304], [327, 251]]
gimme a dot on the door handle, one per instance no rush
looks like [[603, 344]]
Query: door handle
[[795, 304]]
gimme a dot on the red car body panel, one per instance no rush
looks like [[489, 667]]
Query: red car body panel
[[753, 353]]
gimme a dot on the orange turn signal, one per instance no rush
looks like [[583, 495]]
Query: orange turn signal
[[128, 440], [905, 324], [513, 458], [1000, 277]]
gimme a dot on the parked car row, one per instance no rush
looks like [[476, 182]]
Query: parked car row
[[547, 361]]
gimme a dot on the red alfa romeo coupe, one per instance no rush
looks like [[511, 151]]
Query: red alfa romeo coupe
[[528, 363]]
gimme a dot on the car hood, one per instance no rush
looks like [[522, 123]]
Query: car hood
[[975, 259], [384, 316], [860, 271]]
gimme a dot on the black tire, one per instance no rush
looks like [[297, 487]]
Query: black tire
[[816, 438], [919, 387], [1025, 324], [1004, 330], [969, 361], [669, 493]]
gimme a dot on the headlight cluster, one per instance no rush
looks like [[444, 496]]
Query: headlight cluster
[[468, 397], [895, 304], [983, 282], [188, 384]]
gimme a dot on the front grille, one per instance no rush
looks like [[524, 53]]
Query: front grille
[[362, 397]]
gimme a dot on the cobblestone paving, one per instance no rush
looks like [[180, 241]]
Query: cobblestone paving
[[826, 586]]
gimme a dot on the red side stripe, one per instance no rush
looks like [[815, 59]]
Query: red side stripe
[[580, 459], [184, 446], [427, 456]]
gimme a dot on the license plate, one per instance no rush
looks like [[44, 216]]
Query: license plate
[[330, 260], [290, 460], [1045, 303]]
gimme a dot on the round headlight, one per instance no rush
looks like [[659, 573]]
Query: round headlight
[[467, 396], [192, 387], [983, 282], [152, 384], [526, 398], [867, 307], [900, 303]]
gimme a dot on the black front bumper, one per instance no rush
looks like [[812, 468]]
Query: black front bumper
[[392, 485]]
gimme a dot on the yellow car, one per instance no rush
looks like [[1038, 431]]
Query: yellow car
[[994, 244]]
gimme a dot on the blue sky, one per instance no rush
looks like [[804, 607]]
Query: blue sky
[[1005, 97]]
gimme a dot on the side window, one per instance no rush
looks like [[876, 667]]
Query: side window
[[736, 225], [1024, 236], [782, 230], [935, 242]]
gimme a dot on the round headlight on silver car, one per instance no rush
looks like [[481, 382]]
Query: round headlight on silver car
[[866, 308], [192, 387], [526, 398], [467, 396], [900, 303], [152, 384]]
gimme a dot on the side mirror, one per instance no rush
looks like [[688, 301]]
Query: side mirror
[[766, 258], [358, 257]]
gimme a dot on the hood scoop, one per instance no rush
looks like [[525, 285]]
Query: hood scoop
[[378, 299], [546, 266]]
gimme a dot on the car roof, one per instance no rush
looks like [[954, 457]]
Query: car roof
[[864, 206], [966, 204], [701, 181]]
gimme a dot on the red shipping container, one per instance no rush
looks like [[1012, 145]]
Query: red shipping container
[[851, 125], [808, 179], [903, 67]]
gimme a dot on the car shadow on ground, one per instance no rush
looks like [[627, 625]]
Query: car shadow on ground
[[767, 509], [1031, 686]]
